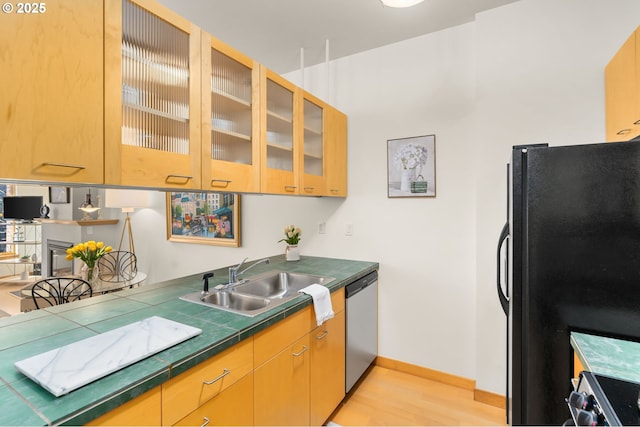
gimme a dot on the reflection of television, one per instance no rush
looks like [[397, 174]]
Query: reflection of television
[[24, 208]]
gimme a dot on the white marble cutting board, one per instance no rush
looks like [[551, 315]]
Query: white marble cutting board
[[67, 368]]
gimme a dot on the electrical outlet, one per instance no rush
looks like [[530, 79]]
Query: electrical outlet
[[348, 230], [322, 228]]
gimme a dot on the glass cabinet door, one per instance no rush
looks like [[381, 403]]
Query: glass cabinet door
[[280, 164], [159, 114], [313, 179], [230, 150]]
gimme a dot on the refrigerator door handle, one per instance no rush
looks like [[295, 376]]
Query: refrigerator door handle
[[504, 301]]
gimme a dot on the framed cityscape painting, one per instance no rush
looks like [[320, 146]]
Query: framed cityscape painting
[[206, 218], [411, 167]]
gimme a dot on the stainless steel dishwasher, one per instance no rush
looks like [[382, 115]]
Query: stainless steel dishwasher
[[362, 326]]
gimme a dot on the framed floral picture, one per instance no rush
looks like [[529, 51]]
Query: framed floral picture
[[206, 218], [411, 167]]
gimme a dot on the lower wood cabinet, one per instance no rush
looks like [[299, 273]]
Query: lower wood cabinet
[[144, 410], [304, 382], [327, 376], [233, 407], [281, 389], [192, 389], [292, 373]]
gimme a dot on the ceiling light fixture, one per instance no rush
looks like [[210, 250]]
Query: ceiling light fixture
[[87, 207], [400, 3]]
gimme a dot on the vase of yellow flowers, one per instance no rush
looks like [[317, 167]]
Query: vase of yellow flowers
[[89, 252], [292, 238]]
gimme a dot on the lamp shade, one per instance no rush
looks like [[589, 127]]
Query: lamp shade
[[400, 3], [125, 199]]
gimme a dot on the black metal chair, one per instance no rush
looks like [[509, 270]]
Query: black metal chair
[[117, 266], [59, 290]]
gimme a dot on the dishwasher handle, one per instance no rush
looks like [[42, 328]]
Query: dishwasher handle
[[360, 284]]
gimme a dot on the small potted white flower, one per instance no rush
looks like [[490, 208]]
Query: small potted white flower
[[292, 238]]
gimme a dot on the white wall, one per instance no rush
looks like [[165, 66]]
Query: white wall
[[527, 72]]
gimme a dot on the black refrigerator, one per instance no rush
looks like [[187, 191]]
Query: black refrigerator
[[573, 244]]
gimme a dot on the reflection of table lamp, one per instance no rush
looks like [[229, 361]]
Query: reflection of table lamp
[[127, 200]]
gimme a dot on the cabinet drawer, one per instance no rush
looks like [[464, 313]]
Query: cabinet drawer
[[233, 407], [272, 340], [189, 390]]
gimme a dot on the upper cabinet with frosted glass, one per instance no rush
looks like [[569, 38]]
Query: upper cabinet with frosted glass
[[230, 109], [280, 128], [51, 101], [152, 96], [313, 173]]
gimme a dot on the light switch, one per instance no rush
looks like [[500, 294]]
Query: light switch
[[348, 230], [322, 228]]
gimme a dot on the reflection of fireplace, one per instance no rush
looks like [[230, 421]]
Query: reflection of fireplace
[[58, 265]]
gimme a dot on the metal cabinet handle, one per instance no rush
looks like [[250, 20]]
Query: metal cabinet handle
[[63, 165], [186, 178], [309, 188], [324, 334], [205, 422], [224, 373], [637, 122], [225, 182], [334, 190], [623, 132], [290, 188], [304, 349]]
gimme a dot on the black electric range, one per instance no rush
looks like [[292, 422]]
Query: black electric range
[[604, 401]]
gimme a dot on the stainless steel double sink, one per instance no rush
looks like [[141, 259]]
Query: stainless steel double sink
[[259, 293]]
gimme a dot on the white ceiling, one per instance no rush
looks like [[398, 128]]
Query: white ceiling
[[273, 32]]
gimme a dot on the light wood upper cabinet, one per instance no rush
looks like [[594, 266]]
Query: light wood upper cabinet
[[230, 108], [312, 153], [336, 136], [152, 96], [51, 100], [622, 91], [280, 158]]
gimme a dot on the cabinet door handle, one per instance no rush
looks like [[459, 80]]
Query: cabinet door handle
[[324, 334], [290, 188], [637, 122], [225, 182], [309, 189], [205, 421], [186, 178], [334, 190], [224, 373], [63, 165], [623, 132], [304, 349]]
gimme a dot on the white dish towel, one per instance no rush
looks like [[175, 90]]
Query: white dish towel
[[321, 302]]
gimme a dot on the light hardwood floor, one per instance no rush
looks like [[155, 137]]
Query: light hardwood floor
[[388, 397]]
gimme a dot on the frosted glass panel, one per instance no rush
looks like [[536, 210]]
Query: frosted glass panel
[[279, 127], [313, 139], [230, 109], [155, 82]]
